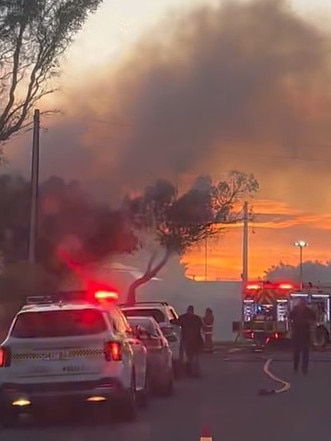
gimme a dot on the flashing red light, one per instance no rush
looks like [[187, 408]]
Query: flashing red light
[[105, 295]]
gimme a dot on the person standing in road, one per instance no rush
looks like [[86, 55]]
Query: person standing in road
[[192, 341], [302, 318], [208, 325]]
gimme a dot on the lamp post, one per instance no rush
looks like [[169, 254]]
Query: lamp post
[[301, 244]]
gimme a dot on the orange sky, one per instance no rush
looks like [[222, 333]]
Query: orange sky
[[270, 241], [275, 124]]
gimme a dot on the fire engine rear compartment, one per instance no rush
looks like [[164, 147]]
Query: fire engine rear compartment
[[266, 307]]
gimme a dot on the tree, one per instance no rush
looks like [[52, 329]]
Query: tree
[[34, 34], [69, 219], [178, 223], [73, 224], [314, 272]]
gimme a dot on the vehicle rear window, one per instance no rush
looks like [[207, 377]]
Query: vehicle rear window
[[146, 324], [157, 315], [47, 324]]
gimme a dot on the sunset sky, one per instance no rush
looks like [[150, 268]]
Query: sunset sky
[[259, 74]]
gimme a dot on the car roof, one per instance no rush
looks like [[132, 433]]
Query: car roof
[[145, 306], [142, 318], [73, 306]]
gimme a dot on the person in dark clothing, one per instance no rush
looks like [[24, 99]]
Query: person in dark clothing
[[302, 318], [192, 341]]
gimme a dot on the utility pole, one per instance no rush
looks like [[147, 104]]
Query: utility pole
[[34, 188], [206, 258], [245, 245]]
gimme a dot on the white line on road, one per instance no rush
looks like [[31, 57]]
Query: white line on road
[[235, 350], [286, 385]]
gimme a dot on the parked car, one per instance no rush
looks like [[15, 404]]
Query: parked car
[[78, 351], [159, 355], [163, 314]]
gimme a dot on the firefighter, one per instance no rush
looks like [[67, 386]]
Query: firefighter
[[302, 318], [192, 341], [208, 324]]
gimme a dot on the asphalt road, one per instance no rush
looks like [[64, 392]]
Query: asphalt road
[[226, 400]]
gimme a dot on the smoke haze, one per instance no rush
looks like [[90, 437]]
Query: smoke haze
[[241, 85]]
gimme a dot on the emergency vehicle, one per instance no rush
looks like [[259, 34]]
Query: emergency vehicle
[[75, 349], [266, 307], [319, 299]]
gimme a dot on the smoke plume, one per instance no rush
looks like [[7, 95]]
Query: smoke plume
[[240, 85]]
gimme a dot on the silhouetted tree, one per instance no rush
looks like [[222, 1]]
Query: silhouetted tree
[[69, 218], [178, 223], [34, 34], [314, 272]]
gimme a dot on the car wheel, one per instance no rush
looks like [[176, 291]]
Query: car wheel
[[321, 339], [167, 389], [128, 409], [178, 369], [143, 396], [9, 418]]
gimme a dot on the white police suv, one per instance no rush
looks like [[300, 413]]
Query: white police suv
[[81, 351]]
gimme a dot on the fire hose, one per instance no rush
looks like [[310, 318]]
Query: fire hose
[[285, 384]]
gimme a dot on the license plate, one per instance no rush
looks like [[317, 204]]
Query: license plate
[[51, 356], [72, 369], [56, 356]]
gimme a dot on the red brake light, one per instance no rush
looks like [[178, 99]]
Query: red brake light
[[113, 351], [105, 295], [4, 357]]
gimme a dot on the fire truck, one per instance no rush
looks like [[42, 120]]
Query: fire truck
[[266, 307]]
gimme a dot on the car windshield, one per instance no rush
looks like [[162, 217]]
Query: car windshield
[[47, 324], [157, 315], [144, 323]]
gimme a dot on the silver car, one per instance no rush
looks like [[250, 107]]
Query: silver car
[[164, 314], [159, 355]]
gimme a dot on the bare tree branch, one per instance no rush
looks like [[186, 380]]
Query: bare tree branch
[[34, 34]]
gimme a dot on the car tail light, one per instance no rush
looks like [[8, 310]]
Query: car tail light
[[4, 357], [113, 351]]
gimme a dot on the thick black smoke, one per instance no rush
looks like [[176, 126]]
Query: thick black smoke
[[241, 85]]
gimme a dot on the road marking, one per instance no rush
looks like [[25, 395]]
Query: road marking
[[286, 385], [230, 351]]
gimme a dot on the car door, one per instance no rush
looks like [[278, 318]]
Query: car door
[[138, 349]]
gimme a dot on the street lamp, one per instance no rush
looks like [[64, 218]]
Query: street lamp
[[301, 244]]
